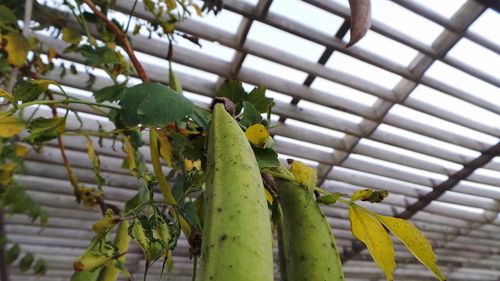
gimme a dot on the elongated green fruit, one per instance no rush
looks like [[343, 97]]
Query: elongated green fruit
[[237, 239], [311, 249], [86, 275], [122, 241], [278, 224]]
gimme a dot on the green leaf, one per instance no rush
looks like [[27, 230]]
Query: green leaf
[[98, 55], [110, 93], [258, 98], [188, 211], [141, 197], [233, 90], [7, 17], [266, 157], [414, 240], [39, 268], [201, 116], [329, 198], [12, 254], [25, 262], [3, 241], [152, 104], [251, 115], [31, 90], [43, 129], [369, 231], [71, 36], [372, 196]]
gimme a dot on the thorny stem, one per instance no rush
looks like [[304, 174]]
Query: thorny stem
[[123, 39]]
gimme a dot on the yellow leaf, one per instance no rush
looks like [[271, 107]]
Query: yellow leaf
[[20, 150], [257, 134], [52, 54], [10, 126], [198, 10], [305, 175], [93, 157], [71, 36], [129, 150], [369, 230], [165, 148], [414, 240], [171, 4], [6, 173], [189, 164], [269, 197], [8, 96], [17, 47]]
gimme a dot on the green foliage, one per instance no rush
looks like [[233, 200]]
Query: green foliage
[[266, 157], [26, 262], [45, 129], [30, 91], [146, 104], [110, 93], [12, 254]]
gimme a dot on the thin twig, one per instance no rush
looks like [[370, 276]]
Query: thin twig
[[130, 17], [67, 165], [123, 39]]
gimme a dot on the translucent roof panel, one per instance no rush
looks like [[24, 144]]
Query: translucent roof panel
[[477, 57], [225, 20], [405, 21], [464, 82], [485, 26], [376, 75], [274, 69], [304, 144], [212, 49], [428, 141], [425, 120], [314, 129], [285, 41], [444, 8], [330, 111], [398, 167], [339, 90], [308, 15], [410, 154], [457, 106], [387, 48]]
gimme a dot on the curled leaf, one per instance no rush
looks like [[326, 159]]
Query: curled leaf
[[360, 20], [257, 134], [372, 196], [329, 198]]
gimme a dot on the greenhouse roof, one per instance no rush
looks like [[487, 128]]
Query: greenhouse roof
[[413, 108]]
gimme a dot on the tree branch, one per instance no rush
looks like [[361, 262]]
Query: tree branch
[[123, 39]]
